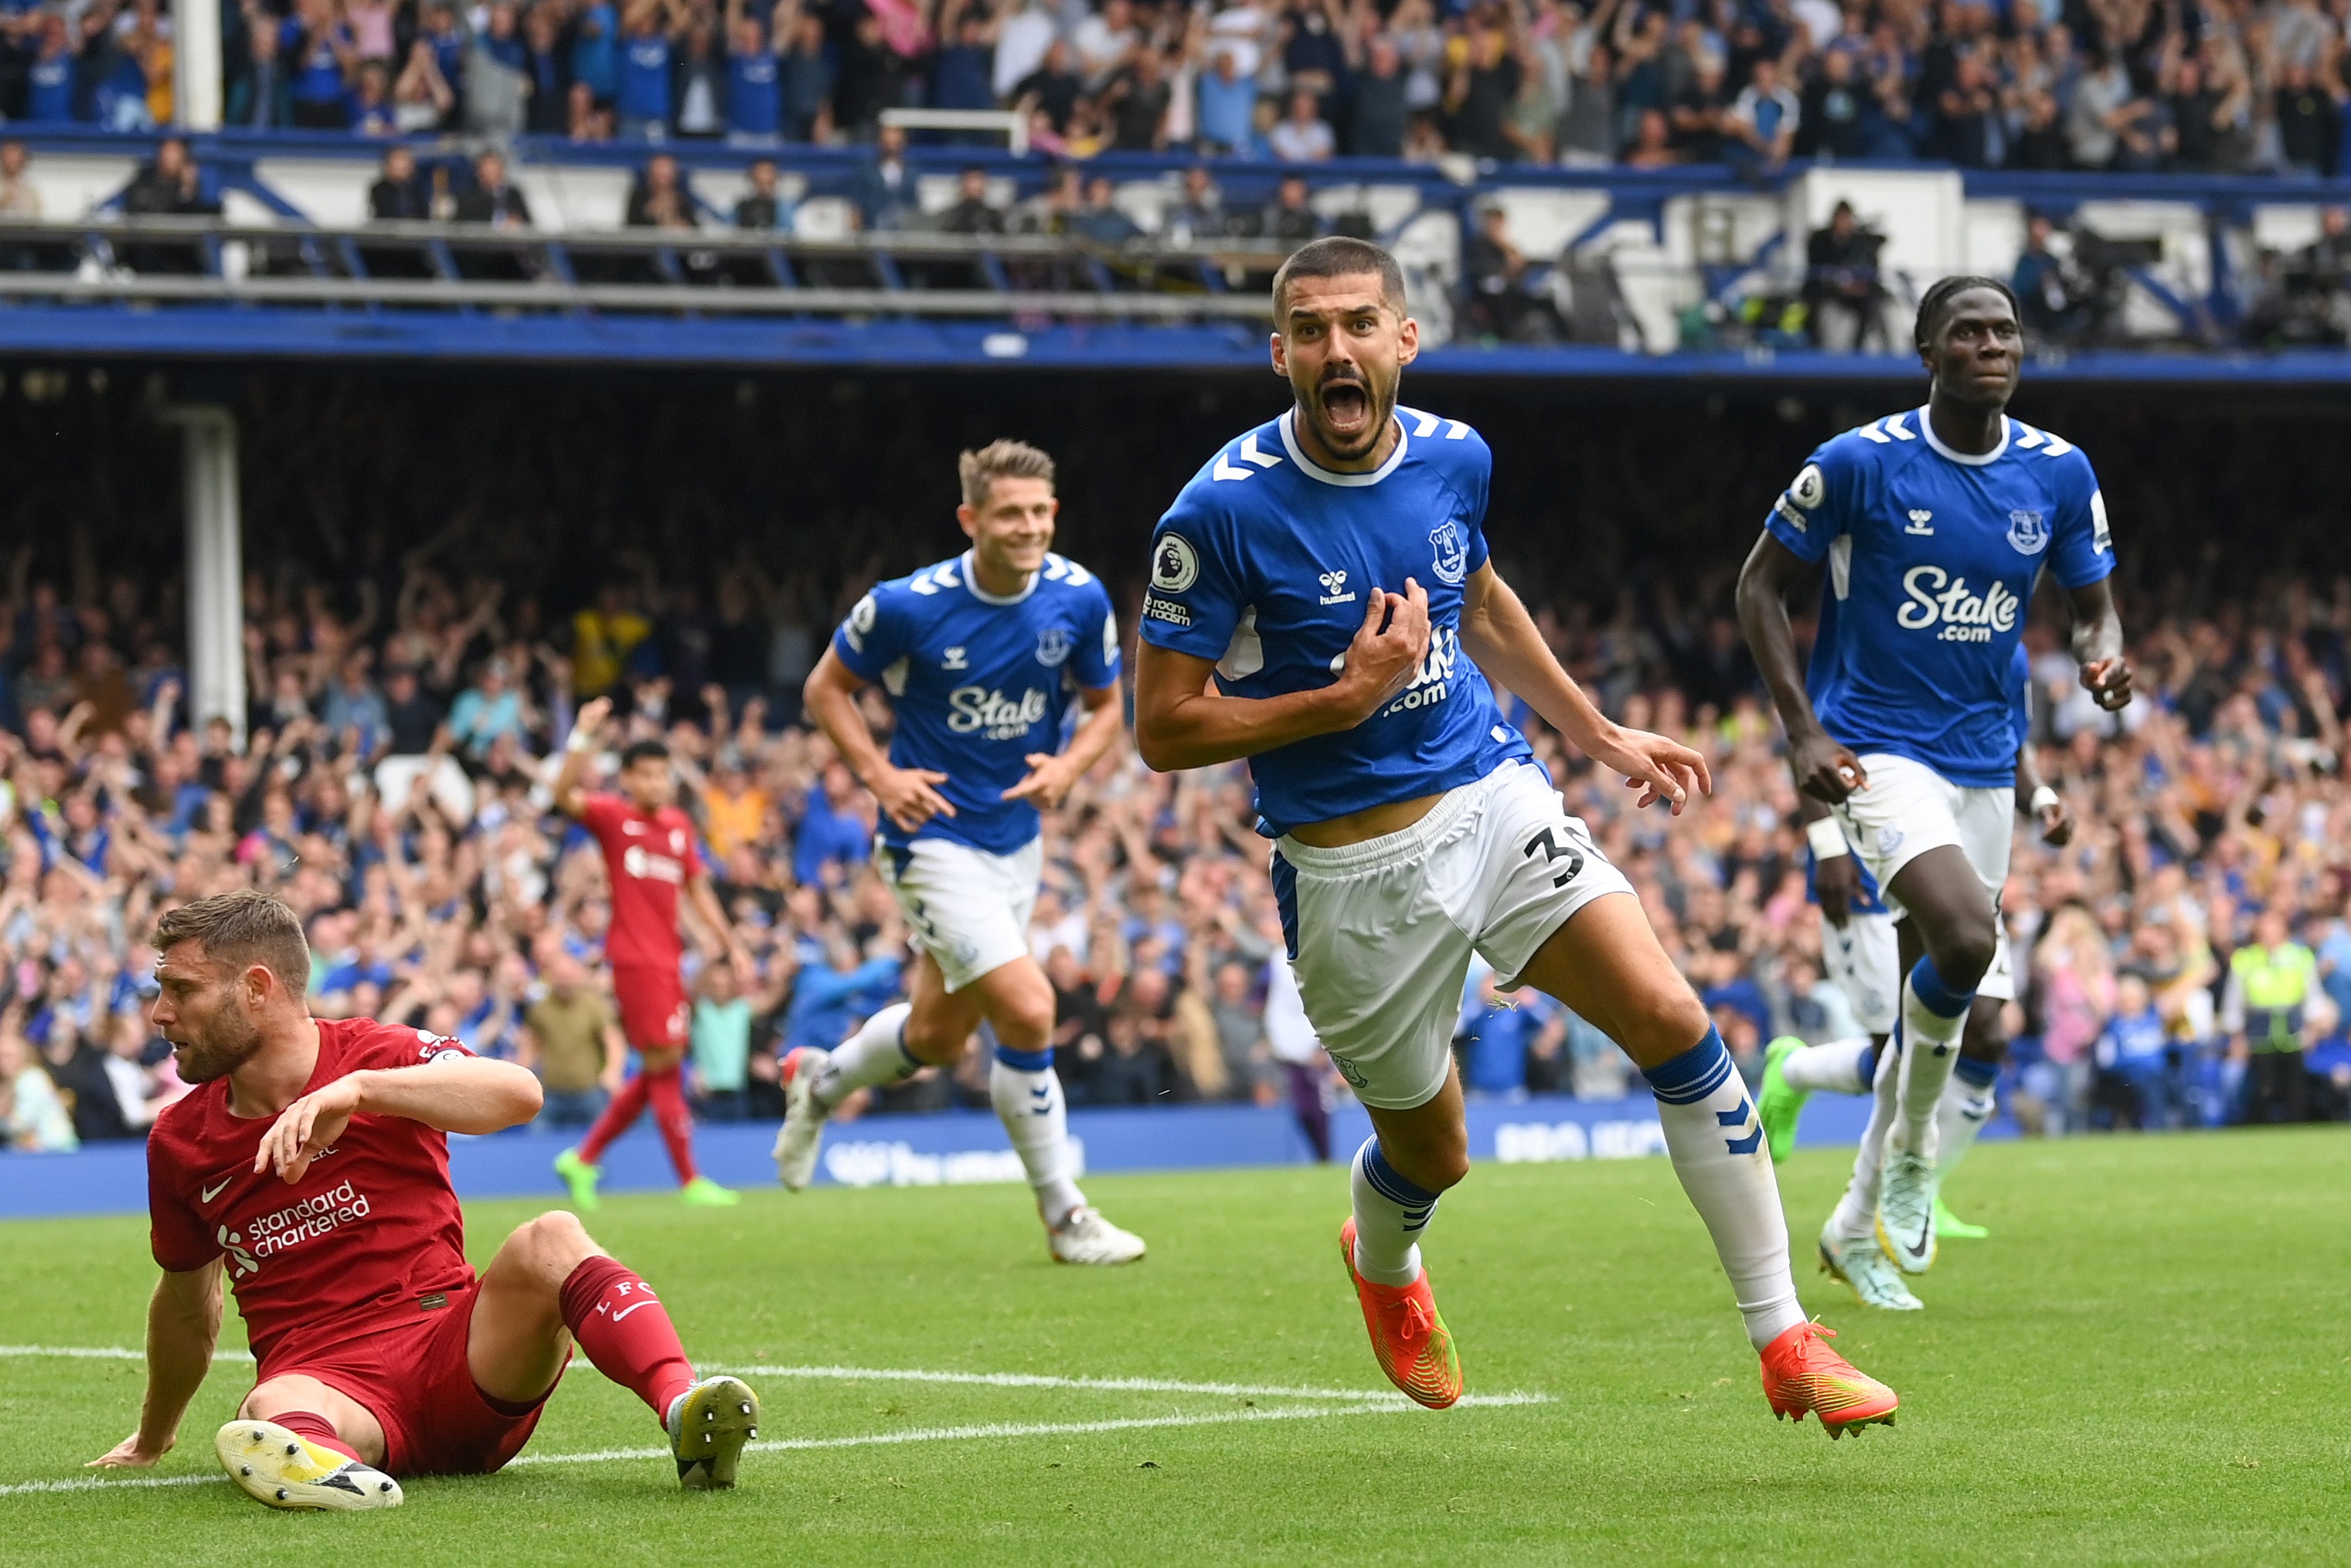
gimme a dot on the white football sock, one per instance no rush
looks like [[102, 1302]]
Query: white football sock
[[1390, 1214], [875, 1054], [1856, 1212], [1716, 1145], [1931, 1048], [1036, 1119], [1961, 1114], [1833, 1067]]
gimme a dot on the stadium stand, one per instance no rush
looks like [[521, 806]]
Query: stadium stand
[[272, 242], [1686, 200], [391, 784]]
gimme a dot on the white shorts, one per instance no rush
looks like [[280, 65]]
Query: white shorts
[[1909, 809], [1865, 962], [1864, 959], [1381, 932], [969, 909], [1999, 982]]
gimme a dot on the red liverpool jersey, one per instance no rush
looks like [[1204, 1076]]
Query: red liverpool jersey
[[365, 1240], [648, 857]]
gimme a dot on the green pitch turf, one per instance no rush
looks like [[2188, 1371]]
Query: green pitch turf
[[2146, 1362]]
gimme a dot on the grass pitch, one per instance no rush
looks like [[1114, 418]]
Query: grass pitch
[[2146, 1363]]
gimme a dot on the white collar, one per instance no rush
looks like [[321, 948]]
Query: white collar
[[1313, 470], [1972, 459], [971, 580]]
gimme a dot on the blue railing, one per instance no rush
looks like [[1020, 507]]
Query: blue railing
[[2206, 298]]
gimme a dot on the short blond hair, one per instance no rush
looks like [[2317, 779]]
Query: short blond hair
[[1001, 460]]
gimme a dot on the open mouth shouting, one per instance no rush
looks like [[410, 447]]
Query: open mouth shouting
[[1347, 411]]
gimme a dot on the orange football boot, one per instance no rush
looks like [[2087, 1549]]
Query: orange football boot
[[1414, 1347], [1801, 1372]]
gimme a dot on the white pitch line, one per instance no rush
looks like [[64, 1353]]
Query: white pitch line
[[91, 1483], [1040, 1380], [869, 1374], [1042, 1428], [106, 1353], [985, 1430]]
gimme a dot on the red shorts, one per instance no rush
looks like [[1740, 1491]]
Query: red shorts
[[415, 1382], [654, 1011]]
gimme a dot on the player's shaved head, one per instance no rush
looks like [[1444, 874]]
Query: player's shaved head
[[1339, 255], [240, 928]]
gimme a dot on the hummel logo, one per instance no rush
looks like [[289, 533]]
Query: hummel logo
[[1333, 582], [213, 1191], [1918, 521], [954, 660]]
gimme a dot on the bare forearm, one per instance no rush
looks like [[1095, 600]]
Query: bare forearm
[[2098, 636], [181, 1333], [571, 781], [1096, 735], [835, 712], [1501, 639], [464, 1094], [2028, 772], [1763, 617], [1203, 730], [706, 904]]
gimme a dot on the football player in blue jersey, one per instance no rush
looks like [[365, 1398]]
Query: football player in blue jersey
[[1933, 525], [1320, 603], [1861, 954], [981, 656]]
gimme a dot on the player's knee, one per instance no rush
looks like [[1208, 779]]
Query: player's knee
[[1964, 954], [1660, 1021], [555, 1243], [934, 1041], [269, 1398], [1028, 1025]]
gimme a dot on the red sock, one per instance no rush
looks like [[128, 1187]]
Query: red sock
[[626, 1331], [667, 1090], [618, 1118], [313, 1428]]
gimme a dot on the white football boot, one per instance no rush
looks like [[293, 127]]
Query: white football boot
[[1906, 1211], [282, 1468], [1856, 1263], [1085, 1237]]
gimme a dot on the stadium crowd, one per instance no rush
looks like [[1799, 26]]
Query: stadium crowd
[[392, 785], [2203, 85]]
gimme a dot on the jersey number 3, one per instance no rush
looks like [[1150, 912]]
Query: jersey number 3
[[1553, 850]]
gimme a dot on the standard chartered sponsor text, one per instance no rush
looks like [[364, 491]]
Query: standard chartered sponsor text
[[298, 1222]]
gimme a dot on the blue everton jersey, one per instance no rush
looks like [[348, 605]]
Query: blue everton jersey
[[980, 682], [1931, 557], [2020, 694], [1262, 565]]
